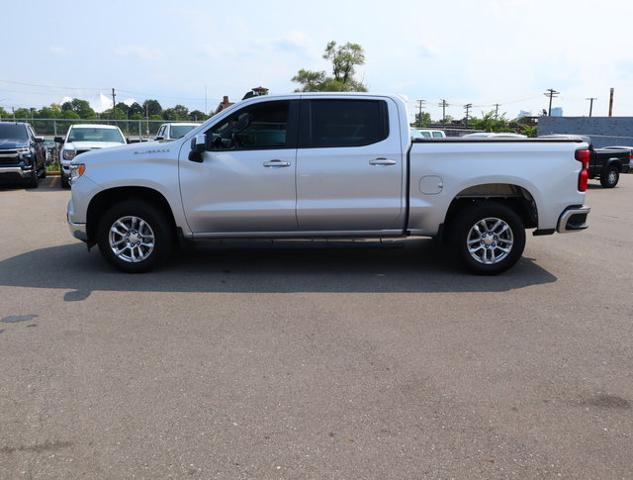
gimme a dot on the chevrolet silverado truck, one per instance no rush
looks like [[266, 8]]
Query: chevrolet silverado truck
[[83, 138], [326, 166], [607, 163], [22, 154]]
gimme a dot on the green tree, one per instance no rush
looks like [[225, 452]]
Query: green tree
[[81, 107], [422, 119], [117, 114], [197, 116], [69, 114], [3, 113], [47, 112], [153, 107], [124, 108], [344, 59], [136, 109], [490, 122], [22, 113], [179, 112]]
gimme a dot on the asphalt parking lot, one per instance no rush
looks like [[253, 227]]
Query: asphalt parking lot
[[294, 362]]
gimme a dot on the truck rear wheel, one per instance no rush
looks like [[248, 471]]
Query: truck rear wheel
[[610, 176], [488, 237], [134, 236]]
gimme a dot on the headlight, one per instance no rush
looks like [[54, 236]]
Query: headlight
[[24, 152], [76, 171], [69, 154]]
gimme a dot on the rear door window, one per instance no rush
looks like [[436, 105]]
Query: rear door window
[[343, 123]]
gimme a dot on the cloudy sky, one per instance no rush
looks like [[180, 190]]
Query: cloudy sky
[[466, 51]]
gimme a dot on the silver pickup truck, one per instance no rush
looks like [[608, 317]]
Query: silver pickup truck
[[326, 165]]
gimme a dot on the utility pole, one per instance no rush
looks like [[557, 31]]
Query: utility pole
[[611, 102], [551, 93], [146, 120], [113, 103], [418, 122], [206, 109], [443, 103], [497, 105], [591, 100], [467, 107]]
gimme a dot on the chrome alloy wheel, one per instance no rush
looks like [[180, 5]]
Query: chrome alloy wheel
[[131, 239], [490, 240], [613, 177]]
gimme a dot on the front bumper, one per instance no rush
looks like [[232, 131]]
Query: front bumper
[[15, 172], [78, 230], [573, 219]]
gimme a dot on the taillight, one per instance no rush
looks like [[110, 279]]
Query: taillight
[[583, 157]]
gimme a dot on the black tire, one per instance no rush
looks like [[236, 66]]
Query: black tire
[[610, 176], [462, 231], [34, 179], [65, 182], [157, 221]]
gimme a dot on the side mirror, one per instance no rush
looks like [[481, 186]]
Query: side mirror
[[39, 139], [198, 146], [127, 140], [59, 140]]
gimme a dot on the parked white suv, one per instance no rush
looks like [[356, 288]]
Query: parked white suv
[[174, 131], [327, 165], [83, 138]]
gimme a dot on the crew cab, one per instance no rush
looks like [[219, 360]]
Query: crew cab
[[326, 165], [174, 131], [83, 138], [22, 154]]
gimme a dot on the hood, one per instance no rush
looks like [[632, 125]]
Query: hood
[[90, 145], [12, 144]]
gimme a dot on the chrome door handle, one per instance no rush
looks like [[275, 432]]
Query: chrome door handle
[[276, 163], [382, 161]]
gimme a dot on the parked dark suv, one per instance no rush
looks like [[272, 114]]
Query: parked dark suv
[[22, 154]]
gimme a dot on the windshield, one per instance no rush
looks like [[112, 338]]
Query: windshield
[[95, 134], [10, 131], [179, 131]]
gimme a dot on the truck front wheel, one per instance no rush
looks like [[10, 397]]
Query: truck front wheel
[[134, 236], [488, 237]]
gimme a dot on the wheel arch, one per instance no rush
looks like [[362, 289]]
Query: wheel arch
[[105, 199], [517, 197]]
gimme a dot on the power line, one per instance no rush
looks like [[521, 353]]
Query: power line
[[58, 87]]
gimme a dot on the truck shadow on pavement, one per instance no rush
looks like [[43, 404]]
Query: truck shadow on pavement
[[414, 266]]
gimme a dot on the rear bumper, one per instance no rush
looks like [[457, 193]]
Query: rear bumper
[[573, 219]]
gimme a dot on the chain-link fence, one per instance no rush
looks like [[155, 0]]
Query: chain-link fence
[[135, 130]]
